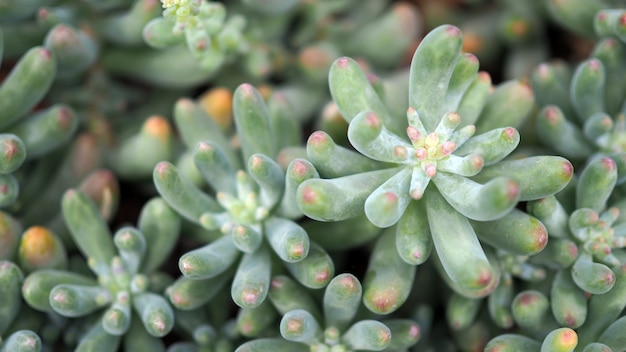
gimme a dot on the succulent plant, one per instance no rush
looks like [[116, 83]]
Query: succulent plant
[[388, 177], [581, 112], [303, 327], [123, 264], [252, 207], [209, 35], [591, 232]]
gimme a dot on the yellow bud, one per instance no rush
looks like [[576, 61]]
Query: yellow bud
[[40, 248], [159, 127], [218, 103]]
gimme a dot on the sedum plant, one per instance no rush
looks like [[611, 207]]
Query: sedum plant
[[593, 226], [581, 110], [252, 207], [593, 261], [457, 135], [119, 292], [203, 27]]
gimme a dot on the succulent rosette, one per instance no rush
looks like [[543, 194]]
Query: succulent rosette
[[119, 301], [440, 171], [582, 114], [252, 210]]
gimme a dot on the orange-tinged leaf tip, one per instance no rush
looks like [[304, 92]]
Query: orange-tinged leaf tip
[[162, 168], [453, 31], [37, 244], [608, 164], [218, 102], [526, 91], [246, 88], [297, 251], [300, 168], [471, 57], [568, 338], [384, 336], [510, 133], [568, 170], [373, 121], [159, 127], [512, 189], [179, 300], [383, 300], [322, 276], [541, 237], [318, 139], [10, 148], [205, 147], [484, 278], [256, 162], [608, 277], [64, 35], [343, 62], [159, 324], [552, 115], [595, 64], [186, 266], [184, 103], [484, 76], [310, 195], [349, 283], [250, 296], [414, 331], [295, 325], [477, 162], [45, 53]]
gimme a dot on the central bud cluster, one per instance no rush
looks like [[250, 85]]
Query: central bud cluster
[[598, 236], [513, 265], [431, 147], [432, 151], [183, 11], [245, 208]]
